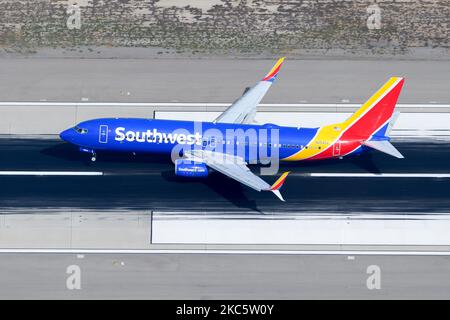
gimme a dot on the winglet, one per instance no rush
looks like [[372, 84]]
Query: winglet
[[279, 183], [278, 194], [275, 188], [274, 71]]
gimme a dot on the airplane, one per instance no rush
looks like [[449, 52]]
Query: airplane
[[197, 152]]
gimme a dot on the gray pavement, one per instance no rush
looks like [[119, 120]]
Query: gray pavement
[[216, 80], [222, 276]]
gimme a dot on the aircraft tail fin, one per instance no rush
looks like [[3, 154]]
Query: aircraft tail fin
[[375, 117]]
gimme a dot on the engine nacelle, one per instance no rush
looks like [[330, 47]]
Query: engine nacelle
[[189, 168]]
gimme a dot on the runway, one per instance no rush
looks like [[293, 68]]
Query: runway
[[375, 183]]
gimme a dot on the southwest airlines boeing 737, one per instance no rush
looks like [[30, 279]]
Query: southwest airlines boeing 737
[[233, 140]]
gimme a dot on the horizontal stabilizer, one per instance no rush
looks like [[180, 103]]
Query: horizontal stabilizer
[[384, 146]]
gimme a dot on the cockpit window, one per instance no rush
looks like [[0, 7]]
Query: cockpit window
[[80, 130]]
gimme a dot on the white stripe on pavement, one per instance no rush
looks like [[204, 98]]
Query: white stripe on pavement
[[321, 174], [51, 173], [381, 175], [208, 104], [224, 251]]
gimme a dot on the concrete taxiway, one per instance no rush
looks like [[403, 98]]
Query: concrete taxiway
[[216, 80], [222, 276]]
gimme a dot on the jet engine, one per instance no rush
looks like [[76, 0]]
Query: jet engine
[[189, 168]]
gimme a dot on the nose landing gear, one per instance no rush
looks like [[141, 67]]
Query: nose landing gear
[[91, 151]]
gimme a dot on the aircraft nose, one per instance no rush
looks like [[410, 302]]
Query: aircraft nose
[[66, 135]]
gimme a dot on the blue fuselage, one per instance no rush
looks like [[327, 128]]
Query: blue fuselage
[[161, 136]]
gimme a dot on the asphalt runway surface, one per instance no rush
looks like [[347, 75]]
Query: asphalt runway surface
[[222, 276], [217, 80], [147, 182]]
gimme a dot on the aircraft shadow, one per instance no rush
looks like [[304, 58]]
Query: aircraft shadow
[[364, 162], [225, 187]]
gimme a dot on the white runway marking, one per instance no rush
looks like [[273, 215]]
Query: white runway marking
[[51, 173], [321, 174], [211, 104], [382, 175], [224, 251]]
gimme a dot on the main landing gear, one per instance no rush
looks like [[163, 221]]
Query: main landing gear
[[91, 151]]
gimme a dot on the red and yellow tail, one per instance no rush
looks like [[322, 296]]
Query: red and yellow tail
[[375, 113], [372, 118]]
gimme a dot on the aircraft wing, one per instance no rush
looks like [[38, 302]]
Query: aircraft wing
[[236, 168], [243, 110]]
